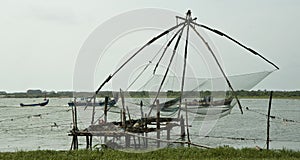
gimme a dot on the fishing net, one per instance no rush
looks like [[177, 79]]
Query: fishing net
[[162, 78]]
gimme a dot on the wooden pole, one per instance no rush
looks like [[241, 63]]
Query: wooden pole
[[141, 107], [93, 113], [105, 109], [87, 142], [168, 132], [146, 131], [105, 115], [124, 119], [128, 113], [91, 142], [127, 140], [158, 123], [187, 124], [75, 138], [121, 119], [75, 114], [268, 121], [123, 110], [182, 129]]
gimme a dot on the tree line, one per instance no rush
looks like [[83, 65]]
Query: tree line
[[145, 94]]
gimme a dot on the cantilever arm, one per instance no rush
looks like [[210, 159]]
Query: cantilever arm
[[138, 51], [167, 46], [235, 41], [167, 70]]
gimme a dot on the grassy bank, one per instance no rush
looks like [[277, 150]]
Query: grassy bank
[[167, 153]]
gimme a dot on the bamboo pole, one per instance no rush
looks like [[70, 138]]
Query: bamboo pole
[[75, 138], [123, 109], [93, 113], [187, 123], [158, 123], [146, 133], [182, 135], [91, 142], [105, 109], [138, 51], [105, 114], [141, 108], [167, 70], [87, 142], [188, 19], [268, 120], [128, 114]]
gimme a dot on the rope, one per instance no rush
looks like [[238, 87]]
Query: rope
[[272, 116]]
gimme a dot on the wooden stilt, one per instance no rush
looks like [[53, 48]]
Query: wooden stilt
[[75, 129], [91, 142], [134, 142], [146, 128], [187, 124], [93, 113], [168, 132], [139, 140], [158, 123], [105, 109], [127, 141], [182, 129], [268, 120], [105, 115], [128, 113], [87, 142], [141, 108]]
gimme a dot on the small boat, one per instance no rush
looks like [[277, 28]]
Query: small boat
[[207, 101], [46, 101], [85, 102], [207, 106]]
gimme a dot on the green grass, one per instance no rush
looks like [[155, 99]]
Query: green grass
[[167, 153]]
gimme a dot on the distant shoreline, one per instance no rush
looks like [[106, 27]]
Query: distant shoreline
[[143, 94]]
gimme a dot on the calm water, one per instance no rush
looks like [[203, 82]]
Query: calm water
[[32, 128]]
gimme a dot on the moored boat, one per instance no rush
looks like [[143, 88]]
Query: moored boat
[[86, 102], [46, 101]]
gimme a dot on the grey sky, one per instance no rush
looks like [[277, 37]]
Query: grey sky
[[40, 40]]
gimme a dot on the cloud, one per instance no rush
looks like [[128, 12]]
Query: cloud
[[55, 12]]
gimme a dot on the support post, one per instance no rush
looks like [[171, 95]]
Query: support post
[[93, 113], [141, 107], [168, 132], [268, 121], [91, 142], [121, 115], [127, 140], [158, 123], [124, 119], [74, 130], [87, 142], [187, 124], [146, 131], [105, 109], [105, 115], [182, 135]]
